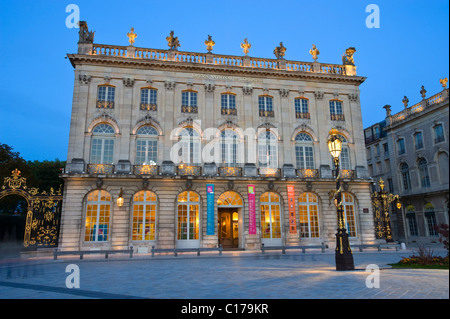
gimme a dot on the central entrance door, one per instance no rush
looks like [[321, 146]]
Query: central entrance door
[[228, 228]]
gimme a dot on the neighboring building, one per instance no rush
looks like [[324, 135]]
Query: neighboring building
[[134, 109], [409, 151]]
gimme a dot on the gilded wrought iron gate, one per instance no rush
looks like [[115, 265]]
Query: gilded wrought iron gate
[[43, 212]]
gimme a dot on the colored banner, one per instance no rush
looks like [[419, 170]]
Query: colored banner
[[210, 209], [291, 203], [251, 210]]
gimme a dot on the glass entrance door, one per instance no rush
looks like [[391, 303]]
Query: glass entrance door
[[228, 226]]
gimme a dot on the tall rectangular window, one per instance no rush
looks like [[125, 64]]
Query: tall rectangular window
[[438, 133], [189, 102], [418, 140], [265, 104], [105, 97], [336, 111], [228, 104], [301, 108], [148, 99], [102, 151], [401, 146]]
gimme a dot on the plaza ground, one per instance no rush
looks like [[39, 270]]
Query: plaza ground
[[234, 275]]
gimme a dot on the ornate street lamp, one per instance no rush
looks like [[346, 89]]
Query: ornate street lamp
[[120, 198], [380, 203], [343, 255]]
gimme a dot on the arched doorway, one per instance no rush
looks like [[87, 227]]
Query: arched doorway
[[229, 210]]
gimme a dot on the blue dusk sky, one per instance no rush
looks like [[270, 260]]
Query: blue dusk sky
[[409, 49]]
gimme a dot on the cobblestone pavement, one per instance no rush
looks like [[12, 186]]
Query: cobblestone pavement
[[235, 275]]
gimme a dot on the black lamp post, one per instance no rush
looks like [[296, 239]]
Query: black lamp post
[[343, 255]]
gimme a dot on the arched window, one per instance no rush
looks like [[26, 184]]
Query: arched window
[[270, 217], [188, 219], [189, 139], [304, 151], [301, 108], [265, 104], [146, 145], [423, 171], [102, 145], [229, 198], [98, 210], [349, 214], [309, 216], [411, 221], [430, 218], [149, 99], [404, 169], [336, 110], [267, 149], [105, 96], [144, 215], [229, 145]]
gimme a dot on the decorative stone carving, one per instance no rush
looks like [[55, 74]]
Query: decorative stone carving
[[169, 85], [84, 78], [85, 36], [209, 87], [245, 46], [284, 93], [314, 52], [353, 97], [128, 82], [173, 42], [131, 36], [347, 57], [209, 44], [318, 95], [444, 82], [387, 107], [247, 90], [280, 51]]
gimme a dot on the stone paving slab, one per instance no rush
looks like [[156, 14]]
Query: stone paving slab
[[235, 275]]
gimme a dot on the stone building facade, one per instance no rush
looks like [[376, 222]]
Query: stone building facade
[[409, 151], [142, 124]]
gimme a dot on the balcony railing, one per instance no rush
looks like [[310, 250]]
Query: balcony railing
[[148, 107], [230, 171], [189, 109], [301, 115], [227, 111], [188, 170], [264, 113], [345, 173], [100, 168], [105, 104], [337, 117], [269, 172], [152, 170], [307, 173]]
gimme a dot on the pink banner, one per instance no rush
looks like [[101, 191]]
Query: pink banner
[[251, 210], [291, 201]]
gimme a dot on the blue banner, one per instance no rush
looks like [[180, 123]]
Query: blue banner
[[210, 209]]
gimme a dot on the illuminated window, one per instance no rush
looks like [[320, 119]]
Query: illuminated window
[[229, 198], [144, 216], [304, 151], [98, 210], [146, 145], [309, 216], [188, 216], [349, 214], [270, 216], [102, 147]]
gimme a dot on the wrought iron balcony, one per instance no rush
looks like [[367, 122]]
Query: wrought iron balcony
[[269, 172], [337, 117], [188, 170], [148, 107], [100, 168], [230, 171], [189, 109], [105, 104], [152, 170], [227, 111], [345, 173], [301, 115], [264, 113], [307, 173]]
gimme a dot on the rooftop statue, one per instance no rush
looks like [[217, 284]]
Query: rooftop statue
[[347, 57], [246, 46], [443, 82], [172, 41], [85, 36], [314, 52], [131, 36], [280, 51], [209, 43]]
